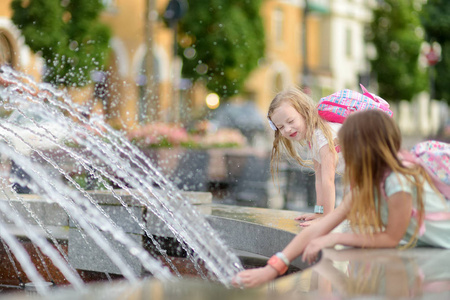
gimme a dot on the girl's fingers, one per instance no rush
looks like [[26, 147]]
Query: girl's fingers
[[305, 217], [309, 255], [237, 281], [304, 224], [307, 258]]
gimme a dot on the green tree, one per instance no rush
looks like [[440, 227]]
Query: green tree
[[436, 21], [68, 35], [397, 34], [221, 42]]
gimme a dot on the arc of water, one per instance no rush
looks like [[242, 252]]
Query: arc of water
[[18, 180], [39, 223], [105, 155], [11, 259], [41, 258], [178, 228], [55, 165], [194, 242], [60, 193], [22, 256], [171, 217], [172, 211], [53, 139], [45, 246], [156, 211]]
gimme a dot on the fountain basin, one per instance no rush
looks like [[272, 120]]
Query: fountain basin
[[258, 233], [254, 234]]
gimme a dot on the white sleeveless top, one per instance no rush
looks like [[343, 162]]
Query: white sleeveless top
[[319, 141]]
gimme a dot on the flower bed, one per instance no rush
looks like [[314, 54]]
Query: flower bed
[[166, 135]]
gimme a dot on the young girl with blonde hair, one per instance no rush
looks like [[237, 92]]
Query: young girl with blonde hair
[[389, 201], [294, 118]]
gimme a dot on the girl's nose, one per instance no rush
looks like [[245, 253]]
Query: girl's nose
[[286, 130]]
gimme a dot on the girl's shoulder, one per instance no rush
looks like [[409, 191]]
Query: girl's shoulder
[[321, 140], [335, 126], [397, 182]]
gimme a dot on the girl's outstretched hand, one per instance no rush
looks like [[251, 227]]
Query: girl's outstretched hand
[[308, 223], [254, 277], [306, 220], [308, 217], [313, 248]]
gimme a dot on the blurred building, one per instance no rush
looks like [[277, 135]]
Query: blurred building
[[321, 47]]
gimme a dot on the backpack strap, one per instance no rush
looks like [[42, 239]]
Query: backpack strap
[[366, 93], [430, 216], [375, 98]]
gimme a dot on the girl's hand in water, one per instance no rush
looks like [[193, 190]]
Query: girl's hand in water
[[254, 277]]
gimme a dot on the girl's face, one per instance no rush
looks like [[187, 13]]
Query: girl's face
[[289, 122]]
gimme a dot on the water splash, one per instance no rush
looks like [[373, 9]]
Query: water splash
[[112, 160]]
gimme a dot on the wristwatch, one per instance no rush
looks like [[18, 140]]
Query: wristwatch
[[318, 209]]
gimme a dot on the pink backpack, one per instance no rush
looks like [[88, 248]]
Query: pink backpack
[[434, 156], [336, 107]]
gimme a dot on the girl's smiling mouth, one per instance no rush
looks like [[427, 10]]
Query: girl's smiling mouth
[[293, 135]]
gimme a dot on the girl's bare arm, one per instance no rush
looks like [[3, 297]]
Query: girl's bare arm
[[326, 185], [322, 228], [399, 206], [254, 277]]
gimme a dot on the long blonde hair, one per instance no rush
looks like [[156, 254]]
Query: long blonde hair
[[306, 107], [370, 141]]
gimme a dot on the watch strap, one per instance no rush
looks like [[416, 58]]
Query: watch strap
[[318, 209], [278, 264]]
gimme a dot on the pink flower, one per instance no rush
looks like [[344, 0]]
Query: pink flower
[[159, 134]]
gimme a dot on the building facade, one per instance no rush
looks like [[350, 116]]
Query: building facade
[[321, 48]]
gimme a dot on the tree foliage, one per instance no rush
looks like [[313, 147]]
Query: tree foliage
[[436, 21], [397, 35], [221, 42], [68, 35]]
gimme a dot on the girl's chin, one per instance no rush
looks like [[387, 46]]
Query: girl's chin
[[293, 138]]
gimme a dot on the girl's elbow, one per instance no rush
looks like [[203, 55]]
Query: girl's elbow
[[393, 241]]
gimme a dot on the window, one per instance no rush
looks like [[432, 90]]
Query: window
[[278, 17], [348, 42], [6, 52], [278, 83]]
